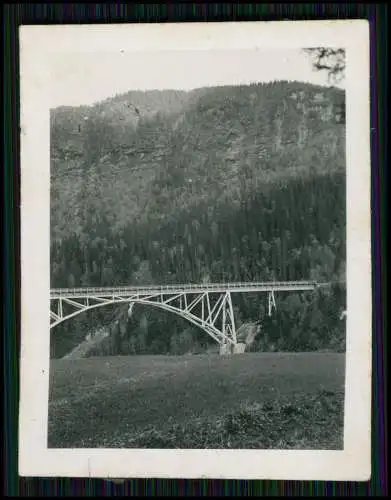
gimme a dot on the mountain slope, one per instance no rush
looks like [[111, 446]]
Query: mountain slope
[[211, 146], [218, 184]]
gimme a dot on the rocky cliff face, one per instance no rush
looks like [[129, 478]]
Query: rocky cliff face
[[248, 332], [180, 150]]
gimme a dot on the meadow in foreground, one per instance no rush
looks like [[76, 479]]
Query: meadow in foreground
[[254, 400]]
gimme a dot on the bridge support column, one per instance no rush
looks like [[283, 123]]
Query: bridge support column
[[227, 326], [271, 303]]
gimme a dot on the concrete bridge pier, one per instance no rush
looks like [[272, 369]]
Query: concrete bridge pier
[[238, 348], [227, 349]]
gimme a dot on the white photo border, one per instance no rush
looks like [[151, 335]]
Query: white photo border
[[37, 45]]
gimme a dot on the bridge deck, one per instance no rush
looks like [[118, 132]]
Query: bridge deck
[[125, 291]]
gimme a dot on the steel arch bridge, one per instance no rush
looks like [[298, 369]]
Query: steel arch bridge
[[208, 306]]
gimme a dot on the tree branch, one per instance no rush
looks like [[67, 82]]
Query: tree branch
[[330, 60]]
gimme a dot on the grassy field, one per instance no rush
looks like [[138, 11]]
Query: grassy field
[[254, 400]]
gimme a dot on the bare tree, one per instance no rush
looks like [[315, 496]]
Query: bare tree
[[330, 60]]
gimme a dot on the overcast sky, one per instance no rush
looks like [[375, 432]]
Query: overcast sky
[[79, 78]]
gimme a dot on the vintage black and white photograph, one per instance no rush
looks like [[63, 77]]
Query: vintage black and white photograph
[[197, 246]]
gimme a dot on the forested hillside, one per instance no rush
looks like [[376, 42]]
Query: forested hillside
[[220, 184]]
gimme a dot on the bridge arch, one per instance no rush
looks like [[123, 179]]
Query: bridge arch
[[210, 329]]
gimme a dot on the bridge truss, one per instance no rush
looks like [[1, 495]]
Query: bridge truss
[[208, 306]]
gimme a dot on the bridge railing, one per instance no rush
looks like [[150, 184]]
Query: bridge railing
[[207, 287]]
